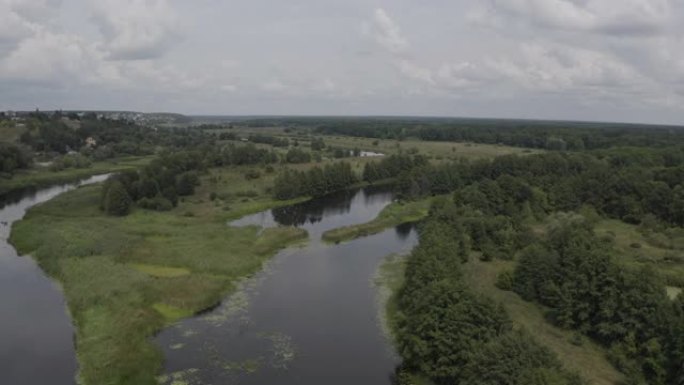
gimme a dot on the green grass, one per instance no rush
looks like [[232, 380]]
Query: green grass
[[160, 271], [588, 359], [394, 214], [171, 313], [673, 292], [626, 237], [125, 278], [41, 176]]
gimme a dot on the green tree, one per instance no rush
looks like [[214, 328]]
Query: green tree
[[117, 201]]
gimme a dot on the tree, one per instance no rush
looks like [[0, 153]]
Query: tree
[[185, 184], [117, 201]]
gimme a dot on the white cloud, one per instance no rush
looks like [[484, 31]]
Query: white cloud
[[137, 29], [415, 71], [616, 17], [387, 33]]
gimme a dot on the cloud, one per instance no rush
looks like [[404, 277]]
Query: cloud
[[611, 17], [137, 29], [415, 71], [387, 33]]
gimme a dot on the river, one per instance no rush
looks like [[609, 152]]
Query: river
[[310, 317], [36, 334]]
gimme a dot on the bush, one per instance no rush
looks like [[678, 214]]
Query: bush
[[504, 280], [635, 245], [157, 203]]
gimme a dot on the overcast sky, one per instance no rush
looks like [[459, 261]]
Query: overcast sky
[[614, 60]]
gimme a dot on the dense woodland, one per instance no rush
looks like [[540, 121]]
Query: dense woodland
[[569, 270]]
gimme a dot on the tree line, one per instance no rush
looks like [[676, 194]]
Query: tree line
[[451, 334], [315, 182]]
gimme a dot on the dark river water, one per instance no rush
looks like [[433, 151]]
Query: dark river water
[[36, 335], [309, 318]]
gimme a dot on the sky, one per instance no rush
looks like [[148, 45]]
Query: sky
[[601, 60]]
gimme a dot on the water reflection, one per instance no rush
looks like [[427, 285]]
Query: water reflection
[[335, 208], [404, 230]]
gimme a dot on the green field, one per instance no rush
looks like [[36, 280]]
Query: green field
[[125, 278], [435, 150]]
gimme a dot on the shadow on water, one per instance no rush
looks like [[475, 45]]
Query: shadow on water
[[310, 317], [36, 335]]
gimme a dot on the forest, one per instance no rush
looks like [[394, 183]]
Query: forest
[[570, 270]]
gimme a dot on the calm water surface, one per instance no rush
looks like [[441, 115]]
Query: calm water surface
[[310, 317], [36, 335]]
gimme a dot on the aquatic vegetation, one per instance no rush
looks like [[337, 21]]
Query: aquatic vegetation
[[185, 377], [282, 349], [388, 279]]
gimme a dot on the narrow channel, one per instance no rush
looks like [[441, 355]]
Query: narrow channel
[[310, 317], [36, 333]]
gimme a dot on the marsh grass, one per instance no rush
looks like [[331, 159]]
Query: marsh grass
[[125, 278], [394, 214]]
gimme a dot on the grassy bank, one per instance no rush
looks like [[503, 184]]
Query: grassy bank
[[394, 214], [389, 278], [41, 176], [126, 278]]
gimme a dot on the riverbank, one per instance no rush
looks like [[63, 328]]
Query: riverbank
[[39, 177], [126, 278], [394, 214]]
